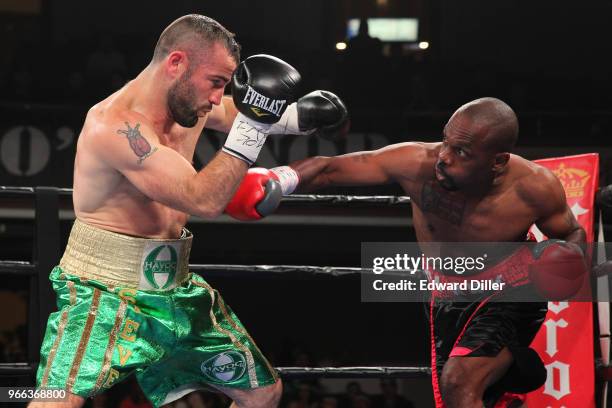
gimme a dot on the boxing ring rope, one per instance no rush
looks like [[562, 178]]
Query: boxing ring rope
[[14, 190], [47, 254], [352, 372], [344, 199], [308, 270], [17, 268], [292, 199]]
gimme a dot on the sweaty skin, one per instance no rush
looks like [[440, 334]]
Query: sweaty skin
[[133, 172], [133, 175], [468, 188], [499, 207]]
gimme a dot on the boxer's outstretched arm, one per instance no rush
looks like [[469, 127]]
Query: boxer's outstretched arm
[[162, 174], [374, 167]]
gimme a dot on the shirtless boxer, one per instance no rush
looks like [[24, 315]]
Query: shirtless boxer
[[467, 188], [127, 302]]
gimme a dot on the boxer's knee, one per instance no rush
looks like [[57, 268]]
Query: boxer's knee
[[274, 394], [459, 386], [262, 397], [265, 397], [464, 379], [71, 401]]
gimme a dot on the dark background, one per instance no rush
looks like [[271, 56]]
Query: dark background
[[550, 60]]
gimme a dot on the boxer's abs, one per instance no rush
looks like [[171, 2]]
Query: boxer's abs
[[127, 211]]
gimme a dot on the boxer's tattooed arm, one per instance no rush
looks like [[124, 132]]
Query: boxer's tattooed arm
[[441, 203], [362, 158], [140, 146]]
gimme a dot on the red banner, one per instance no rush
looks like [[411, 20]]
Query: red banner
[[565, 341]]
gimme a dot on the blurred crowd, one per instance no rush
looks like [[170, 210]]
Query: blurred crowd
[[297, 394], [368, 74], [12, 345], [384, 393]]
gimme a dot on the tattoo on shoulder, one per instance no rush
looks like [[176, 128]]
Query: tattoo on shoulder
[[138, 143]]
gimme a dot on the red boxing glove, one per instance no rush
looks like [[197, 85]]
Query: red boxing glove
[[559, 269], [258, 195]]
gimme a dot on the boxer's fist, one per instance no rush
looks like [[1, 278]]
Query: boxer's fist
[[323, 112], [258, 195], [558, 270], [320, 113], [263, 87]]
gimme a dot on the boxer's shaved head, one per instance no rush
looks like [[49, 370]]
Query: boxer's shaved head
[[476, 145], [205, 54], [195, 34], [496, 123]]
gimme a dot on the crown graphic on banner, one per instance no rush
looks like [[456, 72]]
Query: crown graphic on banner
[[572, 179]]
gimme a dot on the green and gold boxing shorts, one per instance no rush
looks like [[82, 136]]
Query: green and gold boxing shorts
[[129, 305]]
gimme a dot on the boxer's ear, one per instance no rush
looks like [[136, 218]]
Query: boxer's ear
[[176, 63], [500, 162]]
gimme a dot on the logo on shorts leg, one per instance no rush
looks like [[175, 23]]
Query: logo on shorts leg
[[225, 367], [160, 263]]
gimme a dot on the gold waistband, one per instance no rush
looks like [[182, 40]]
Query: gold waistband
[[125, 261]]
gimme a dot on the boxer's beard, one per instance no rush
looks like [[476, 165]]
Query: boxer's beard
[[182, 102], [447, 183]]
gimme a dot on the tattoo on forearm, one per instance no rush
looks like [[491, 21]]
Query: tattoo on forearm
[[138, 143], [442, 203], [360, 158]]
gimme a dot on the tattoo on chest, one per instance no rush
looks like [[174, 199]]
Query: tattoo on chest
[[445, 205], [138, 143]]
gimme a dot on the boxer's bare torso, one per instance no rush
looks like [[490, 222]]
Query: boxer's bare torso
[[106, 198], [133, 170], [523, 195], [468, 188], [502, 210]]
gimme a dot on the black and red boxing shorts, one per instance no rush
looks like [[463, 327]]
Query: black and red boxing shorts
[[482, 329], [481, 325]]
